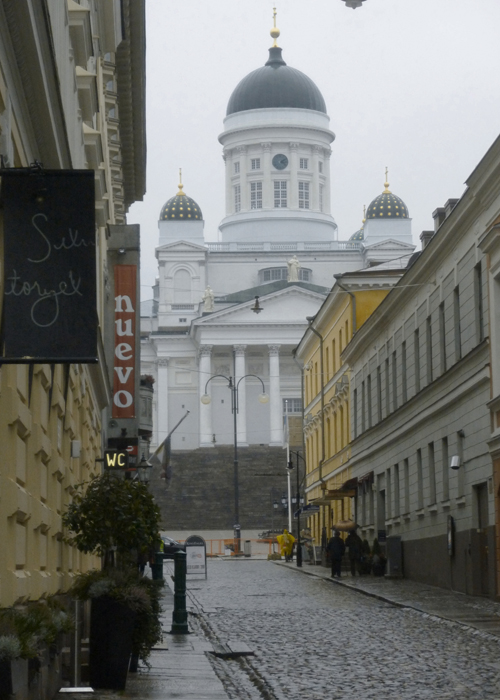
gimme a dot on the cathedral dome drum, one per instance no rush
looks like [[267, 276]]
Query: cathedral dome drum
[[276, 85]]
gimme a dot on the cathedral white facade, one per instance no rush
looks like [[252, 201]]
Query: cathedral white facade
[[278, 242]]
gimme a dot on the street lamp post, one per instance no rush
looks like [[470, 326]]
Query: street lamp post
[[233, 385], [298, 502]]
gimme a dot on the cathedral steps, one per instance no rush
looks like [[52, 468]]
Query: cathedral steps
[[199, 495]]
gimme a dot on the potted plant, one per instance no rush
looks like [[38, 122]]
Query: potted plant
[[10, 651], [28, 641], [116, 518]]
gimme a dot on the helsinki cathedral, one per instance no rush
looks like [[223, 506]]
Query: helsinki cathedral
[[270, 270]]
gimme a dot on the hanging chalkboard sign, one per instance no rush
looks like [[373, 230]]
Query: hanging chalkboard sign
[[49, 303]]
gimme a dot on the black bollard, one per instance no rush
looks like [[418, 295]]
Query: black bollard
[[179, 616]]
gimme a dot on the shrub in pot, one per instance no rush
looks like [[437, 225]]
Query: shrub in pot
[[27, 634], [115, 518], [10, 650]]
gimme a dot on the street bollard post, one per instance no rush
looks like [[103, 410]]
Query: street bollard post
[[179, 615]]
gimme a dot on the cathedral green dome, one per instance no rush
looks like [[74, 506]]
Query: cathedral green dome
[[387, 206], [358, 236], [180, 208], [276, 85]]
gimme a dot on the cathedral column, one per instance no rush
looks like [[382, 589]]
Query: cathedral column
[[245, 195], [162, 399], [275, 408], [316, 153], [293, 195], [229, 162], [326, 191], [205, 372], [239, 372], [267, 191]]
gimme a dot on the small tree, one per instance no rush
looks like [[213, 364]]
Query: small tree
[[112, 514]]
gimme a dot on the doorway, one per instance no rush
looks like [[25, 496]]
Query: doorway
[[480, 560]]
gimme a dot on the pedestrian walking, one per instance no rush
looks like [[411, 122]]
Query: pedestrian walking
[[336, 549], [286, 542], [354, 544]]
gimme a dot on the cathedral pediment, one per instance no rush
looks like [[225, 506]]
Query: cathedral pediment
[[389, 244], [181, 247], [287, 306]]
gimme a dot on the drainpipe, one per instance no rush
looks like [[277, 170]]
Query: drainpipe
[[311, 328], [353, 297], [302, 394]]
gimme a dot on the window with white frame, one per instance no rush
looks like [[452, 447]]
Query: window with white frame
[[292, 406], [237, 198], [304, 163], [237, 167], [320, 166], [255, 163], [279, 194], [303, 195], [321, 197], [256, 195]]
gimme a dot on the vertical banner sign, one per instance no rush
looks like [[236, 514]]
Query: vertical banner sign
[[49, 275], [125, 359]]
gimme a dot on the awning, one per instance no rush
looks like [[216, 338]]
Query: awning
[[333, 495], [350, 484]]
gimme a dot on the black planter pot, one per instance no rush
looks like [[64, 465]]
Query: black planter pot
[[6, 689], [134, 663], [111, 628]]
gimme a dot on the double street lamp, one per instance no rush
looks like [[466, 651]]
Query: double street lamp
[[233, 385]]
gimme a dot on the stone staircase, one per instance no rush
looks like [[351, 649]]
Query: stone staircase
[[199, 495]]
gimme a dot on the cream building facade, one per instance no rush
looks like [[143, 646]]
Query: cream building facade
[[327, 428], [71, 97]]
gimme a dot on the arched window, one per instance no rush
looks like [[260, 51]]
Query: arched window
[[182, 287]]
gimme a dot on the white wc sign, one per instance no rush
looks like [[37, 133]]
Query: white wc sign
[[196, 556]]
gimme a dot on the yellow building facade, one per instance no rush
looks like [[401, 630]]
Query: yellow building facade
[[352, 299], [71, 97]]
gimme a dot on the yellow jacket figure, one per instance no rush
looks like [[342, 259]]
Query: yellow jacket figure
[[285, 542]]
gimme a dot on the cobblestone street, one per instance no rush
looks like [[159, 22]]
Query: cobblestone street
[[313, 639]]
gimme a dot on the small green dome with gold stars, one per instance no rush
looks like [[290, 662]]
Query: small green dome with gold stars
[[387, 206], [181, 208], [358, 236]]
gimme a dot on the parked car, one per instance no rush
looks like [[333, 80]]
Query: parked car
[[170, 547]]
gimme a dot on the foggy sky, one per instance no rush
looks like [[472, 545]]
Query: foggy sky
[[409, 84]]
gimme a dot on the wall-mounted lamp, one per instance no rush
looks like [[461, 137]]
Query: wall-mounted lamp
[[455, 462], [144, 470], [121, 251]]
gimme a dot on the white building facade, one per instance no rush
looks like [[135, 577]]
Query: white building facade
[[421, 400]]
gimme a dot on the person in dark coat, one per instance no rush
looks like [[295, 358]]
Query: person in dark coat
[[336, 549], [354, 544]]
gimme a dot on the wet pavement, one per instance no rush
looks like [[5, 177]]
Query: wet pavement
[[268, 631]]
